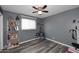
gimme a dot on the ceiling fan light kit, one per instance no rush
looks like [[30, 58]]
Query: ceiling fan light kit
[[40, 12]]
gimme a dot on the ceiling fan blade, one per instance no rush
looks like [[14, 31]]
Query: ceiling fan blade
[[44, 6], [34, 11], [45, 11], [35, 7]]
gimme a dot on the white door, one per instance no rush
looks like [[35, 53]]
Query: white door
[[1, 32]]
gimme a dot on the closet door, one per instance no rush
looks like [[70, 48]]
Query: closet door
[[1, 32]]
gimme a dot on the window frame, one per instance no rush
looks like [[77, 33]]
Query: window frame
[[29, 19]]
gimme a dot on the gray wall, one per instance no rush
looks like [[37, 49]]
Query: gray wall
[[57, 26], [24, 34], [1, 31]]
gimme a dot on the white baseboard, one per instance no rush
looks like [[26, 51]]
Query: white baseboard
[[59, 42], [28, 40]]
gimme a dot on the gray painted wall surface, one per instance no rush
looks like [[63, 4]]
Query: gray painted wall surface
[[1, 31], [57, 27], [24, 35]]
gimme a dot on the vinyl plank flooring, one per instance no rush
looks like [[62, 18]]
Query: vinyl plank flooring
[[38, 46], [57, 48], [53, 48], [22, 46], [46, 49], [33, 47], [63, 50], [44, 46]]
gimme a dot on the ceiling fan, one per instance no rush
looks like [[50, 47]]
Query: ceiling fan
[[40, 9]]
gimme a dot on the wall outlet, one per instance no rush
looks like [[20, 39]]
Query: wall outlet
[[53, 38]]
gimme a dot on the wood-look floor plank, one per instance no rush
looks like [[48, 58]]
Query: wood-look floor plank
[[57, 49], [45, 46], [31, 48], [54, 49], [63, 50], [38, 46], [28, 44], [46, 49]]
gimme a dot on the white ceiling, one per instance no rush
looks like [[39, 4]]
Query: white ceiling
[[27, 9]]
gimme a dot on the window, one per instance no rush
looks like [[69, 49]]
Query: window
[[28, 24]]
